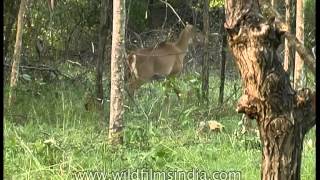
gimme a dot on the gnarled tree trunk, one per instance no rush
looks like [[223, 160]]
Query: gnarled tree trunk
[[117, 60], [283, 115]]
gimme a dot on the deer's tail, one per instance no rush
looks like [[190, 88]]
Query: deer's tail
[[132, 61]]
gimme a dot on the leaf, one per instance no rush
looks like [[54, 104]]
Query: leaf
[[193, 80], [215, 126], [39, 146], [26, 77], [310, 143]]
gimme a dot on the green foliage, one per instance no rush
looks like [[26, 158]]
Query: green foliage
[[309, 35], [216, 3], [61, 28], [138, 14], [310, 22], [49, 134]]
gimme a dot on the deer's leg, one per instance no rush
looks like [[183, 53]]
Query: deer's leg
[[157, 77], [175, 87], [133, 86], [170, 84], [177, 92]]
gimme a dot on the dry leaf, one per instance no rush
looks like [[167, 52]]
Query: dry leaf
[[202, 127], [215, 126]]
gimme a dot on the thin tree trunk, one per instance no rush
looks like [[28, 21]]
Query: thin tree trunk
[[299, 74], [150, 9], [11, 9], [117, 59], [7, 35], [205, 60], [223, 63], [309, 60], [10, 15], [274, 3], [101, 58], [17, 53], [283, 115], [287, 54]]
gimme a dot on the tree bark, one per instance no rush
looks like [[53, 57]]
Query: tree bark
[[283, 115], [223, 63], [101, 58], [205, 60], [17, 53], [287, 54], [299, 75], [274, 4], [11, 12], [117, 60]]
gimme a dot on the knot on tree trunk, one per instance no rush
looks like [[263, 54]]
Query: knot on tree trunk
[[271, 29], [305, 108], [260, 30], [305, 98], [248, 105], [280, 126]]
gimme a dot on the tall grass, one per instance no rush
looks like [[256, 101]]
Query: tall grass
[[49, 135]]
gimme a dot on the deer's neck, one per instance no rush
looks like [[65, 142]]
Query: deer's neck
[[183, 41]]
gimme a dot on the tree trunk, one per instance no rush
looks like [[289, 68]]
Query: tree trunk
[[299, 75], [287, 63], [283, 115], [17, 52], [223, 63], [101, 58], [117, 60], [274, 4], [11, 13], [205, 60]]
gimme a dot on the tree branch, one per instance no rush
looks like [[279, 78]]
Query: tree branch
[[300, 48], [42, 68], [173, 11], [281, 26]]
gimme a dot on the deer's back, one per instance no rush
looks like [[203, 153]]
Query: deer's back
[[163, 60]]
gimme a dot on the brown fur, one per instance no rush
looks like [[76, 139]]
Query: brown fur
[[164, 60]]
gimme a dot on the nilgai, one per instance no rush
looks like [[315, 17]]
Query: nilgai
[[165, 59]]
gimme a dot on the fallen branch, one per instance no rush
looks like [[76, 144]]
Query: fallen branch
[[74, 63], [42, 68]]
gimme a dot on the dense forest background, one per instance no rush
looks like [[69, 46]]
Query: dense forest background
[[69, 30]]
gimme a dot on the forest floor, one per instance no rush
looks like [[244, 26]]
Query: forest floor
[[48, 134]]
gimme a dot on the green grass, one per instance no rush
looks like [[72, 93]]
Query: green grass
[[49, 135]]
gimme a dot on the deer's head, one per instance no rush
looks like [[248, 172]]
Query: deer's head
[[197, 36]]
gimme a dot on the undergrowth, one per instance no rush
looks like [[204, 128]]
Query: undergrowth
[[49, 135]]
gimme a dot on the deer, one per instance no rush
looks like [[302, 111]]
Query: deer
[[164, 60]]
